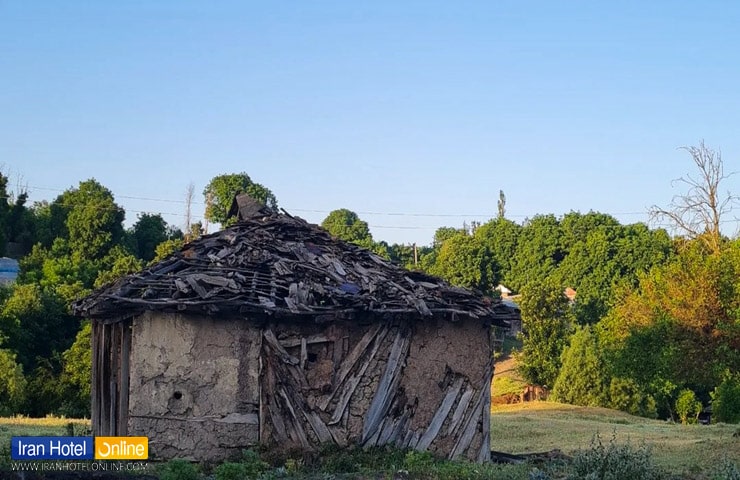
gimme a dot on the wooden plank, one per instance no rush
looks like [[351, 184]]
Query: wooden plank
[[351, 385], [279, 350], [459, 413], [350, 360], [468, 432], [294, 342], [298, 428], [95, 391], [401, 429], [125, 360], [387, 386], [484, 455], [318, 426], [440, 415], [104, 382], [262, 408], [304, 353]]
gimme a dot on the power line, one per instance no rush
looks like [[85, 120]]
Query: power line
[[306, 210]]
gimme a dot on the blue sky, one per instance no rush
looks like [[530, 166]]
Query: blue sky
[[389, 107]]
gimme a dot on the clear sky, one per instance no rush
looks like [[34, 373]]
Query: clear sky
[[390, 107]]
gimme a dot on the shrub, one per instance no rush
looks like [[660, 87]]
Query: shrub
[[253, 463], [726, 400], [614, 462], [687, 406], [178, 469], [232, 471], [626, 395]]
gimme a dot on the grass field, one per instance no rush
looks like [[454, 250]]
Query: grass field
[[544, 426], [15, 426], [689, 451]]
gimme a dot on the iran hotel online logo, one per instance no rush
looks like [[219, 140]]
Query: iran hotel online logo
[[79, 448]]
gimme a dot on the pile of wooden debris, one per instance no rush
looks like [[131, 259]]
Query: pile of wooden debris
[[277, 264]]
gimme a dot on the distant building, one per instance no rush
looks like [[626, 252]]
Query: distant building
[[9, 269], [571, 294], [505, 292]]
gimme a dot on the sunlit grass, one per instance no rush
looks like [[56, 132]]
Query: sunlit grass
[[544, 426]]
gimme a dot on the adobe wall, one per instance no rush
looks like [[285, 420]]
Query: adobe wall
[[194, 385], [442, 353]]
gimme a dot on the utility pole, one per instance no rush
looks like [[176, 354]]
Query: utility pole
[[416, 256]]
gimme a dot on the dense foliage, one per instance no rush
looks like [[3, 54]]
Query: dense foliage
[[652, 316]]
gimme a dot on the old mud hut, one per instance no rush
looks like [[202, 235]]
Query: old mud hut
[[273, 332]]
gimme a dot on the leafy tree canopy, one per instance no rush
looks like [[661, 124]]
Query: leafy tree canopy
[[345, 224], [222, 189]]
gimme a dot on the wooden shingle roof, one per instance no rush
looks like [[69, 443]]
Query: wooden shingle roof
[[279, 265]]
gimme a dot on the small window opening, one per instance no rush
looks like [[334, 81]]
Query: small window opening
[[312, 357], [177, 395]]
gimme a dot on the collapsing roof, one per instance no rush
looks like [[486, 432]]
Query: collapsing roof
[[280, 265]]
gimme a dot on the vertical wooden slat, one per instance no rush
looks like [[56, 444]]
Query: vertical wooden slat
[[111, 354], [95, 393], [102, 379], [124, 378]]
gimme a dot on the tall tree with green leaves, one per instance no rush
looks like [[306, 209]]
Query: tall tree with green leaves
[[546, 325], [222, 189], [348, 226], [500, 237], [538, 253], [583, 377], [149, 231], [464, 261], [94, 221]]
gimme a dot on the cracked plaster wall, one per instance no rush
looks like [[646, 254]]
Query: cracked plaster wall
[[194, 385]]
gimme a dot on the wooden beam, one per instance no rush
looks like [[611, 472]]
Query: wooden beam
[[350, 360], [124, 388], [459, 413], [440, 415], [351, 384], [387, 387]]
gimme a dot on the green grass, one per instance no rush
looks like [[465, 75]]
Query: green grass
[[49, 426], [544, 426], [686, 451]]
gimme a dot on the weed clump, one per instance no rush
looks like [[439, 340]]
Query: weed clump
[[178, 469], [614, 461]]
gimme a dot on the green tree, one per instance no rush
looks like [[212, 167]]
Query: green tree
[[12, 384], [626, 395], [546, 323], [463, 261], [149, 231], [500, 237], [36, 323], [726, 399], [77, 374], [4, 212], [688, 407], [348, 226], [583, 377], [115, 265], [94, 221], [538, 253], [167, 248], [222, 189], [21, 224]]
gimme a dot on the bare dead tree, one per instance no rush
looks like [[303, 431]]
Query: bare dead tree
[[698, 213], [189, 194]]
